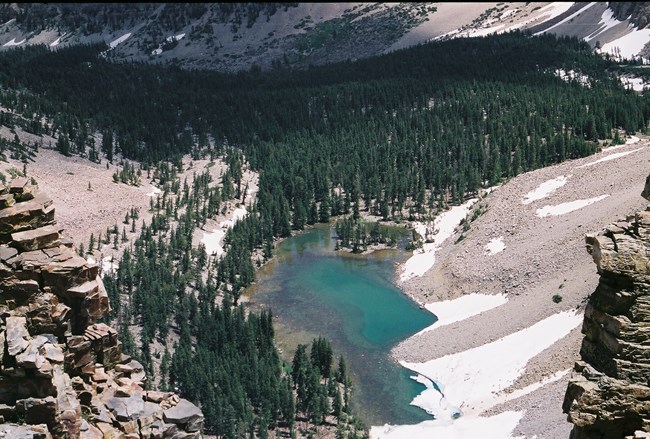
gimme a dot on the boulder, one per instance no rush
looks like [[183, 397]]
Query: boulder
[[38, 410], [44, 237], [14, 431], [125, 409], [30, 358], [6, 200], [17, 335], [29, 215], [52, 353], [182, 413]]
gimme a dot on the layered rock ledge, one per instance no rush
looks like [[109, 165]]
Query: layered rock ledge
[[608, 395], [63, 374]]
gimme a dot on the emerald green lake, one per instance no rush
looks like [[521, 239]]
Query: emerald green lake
[[351, 300]]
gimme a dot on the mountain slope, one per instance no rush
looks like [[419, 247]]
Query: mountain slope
[[543, 256], [232, 37]]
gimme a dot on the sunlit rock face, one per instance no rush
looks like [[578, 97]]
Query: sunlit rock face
[[62, 374], [608, 395]]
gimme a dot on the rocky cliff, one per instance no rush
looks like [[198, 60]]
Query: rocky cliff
[[608, 395], [62, 374]]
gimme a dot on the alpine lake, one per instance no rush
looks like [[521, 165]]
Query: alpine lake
[[352, 300]]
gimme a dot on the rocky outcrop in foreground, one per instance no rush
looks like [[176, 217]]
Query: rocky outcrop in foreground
[[62, 374], [608, 395]]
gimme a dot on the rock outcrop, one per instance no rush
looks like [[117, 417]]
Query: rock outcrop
[[63, 374], [608, 395]]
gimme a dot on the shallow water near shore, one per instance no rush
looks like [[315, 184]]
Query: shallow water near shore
[[351, 300]]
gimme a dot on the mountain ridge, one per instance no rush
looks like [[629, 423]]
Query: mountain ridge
[[235, 37]]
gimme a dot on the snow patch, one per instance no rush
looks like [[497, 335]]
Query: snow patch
[[464, 307], [573, 75], [444, 225], [57, 41], [549, 12], [154, 191], [632, 140], [563, 208], [109, 265], [495, 246], [556, 9], [173, 38], [498, 426], [169, 39], [636, 84], [628, 46], [609, 157], [607, 21], [113, 44], [474, 380], [508, 13], [13, 42], [486, 31], [545, 189], [567, 19], [505, 397], [212, 240]]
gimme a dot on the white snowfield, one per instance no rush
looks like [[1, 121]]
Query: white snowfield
[[607, 21], [568, 19], [470, 380], [494, 427], [555, 9], [609, 157], [169, 39], [637, 84], [455, 310], [563, 208], [154, 191], [632, 140], [175, 38], [109, 265], [445, 223], [548, 12], [475, 380], [545, 189], [113, 44], [212, 240], [57, 41], [628, 45], [496, 245], [573, 75], [13, 42]]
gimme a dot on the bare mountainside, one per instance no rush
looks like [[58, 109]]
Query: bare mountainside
[[542, 268], [232, 37]]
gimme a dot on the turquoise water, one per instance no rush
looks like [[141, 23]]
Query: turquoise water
[[351, 300]]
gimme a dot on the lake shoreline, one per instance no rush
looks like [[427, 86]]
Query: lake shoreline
[[350, 299]]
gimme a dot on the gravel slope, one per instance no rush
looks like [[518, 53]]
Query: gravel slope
[[543, 257]]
